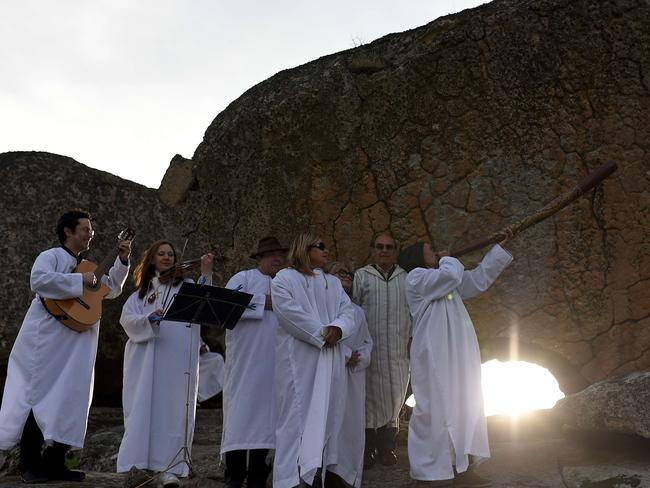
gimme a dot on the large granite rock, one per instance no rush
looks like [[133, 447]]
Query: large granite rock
[[446, 133], [617, 405], [38, 188]]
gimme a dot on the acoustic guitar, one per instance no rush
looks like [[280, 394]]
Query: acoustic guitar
[[80, 314]]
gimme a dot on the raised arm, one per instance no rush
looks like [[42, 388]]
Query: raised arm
[[432, 284], [116, 277], [476, 281]]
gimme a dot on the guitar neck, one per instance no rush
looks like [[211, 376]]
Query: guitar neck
[[106, 264]]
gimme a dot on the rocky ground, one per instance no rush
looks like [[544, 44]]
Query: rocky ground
[[529, 453]]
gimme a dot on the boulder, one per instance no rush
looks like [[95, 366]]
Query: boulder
[[447, 133], [618, 405], [38, 188]]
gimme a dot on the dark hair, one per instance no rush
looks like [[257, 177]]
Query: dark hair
[[377, 235], [69, 220], [145, 270]]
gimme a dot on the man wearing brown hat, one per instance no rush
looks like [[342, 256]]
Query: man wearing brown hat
[[248, 394]]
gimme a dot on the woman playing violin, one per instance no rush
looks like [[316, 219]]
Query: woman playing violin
[[155, 364]]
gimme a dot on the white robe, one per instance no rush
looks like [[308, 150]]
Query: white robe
[[51, 367], [310, 379], [389, 323], [448, 422], [154, 391], [352, 435], [249, 397], [211, 369]]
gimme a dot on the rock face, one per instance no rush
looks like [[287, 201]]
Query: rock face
[[620, 405], [447, 133], [38, 188], [177, 182]]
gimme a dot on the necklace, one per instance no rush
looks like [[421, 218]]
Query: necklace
[[155, 284]]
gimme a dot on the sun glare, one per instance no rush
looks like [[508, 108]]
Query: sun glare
[[513, 387]]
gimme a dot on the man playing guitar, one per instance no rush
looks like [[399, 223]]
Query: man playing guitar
[[51, 367]]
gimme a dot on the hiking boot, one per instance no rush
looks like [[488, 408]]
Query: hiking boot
[[369, 458], [387, 457], [167, 480], [32, 476]]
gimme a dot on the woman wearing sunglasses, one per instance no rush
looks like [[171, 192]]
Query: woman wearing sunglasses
[[314, 316]]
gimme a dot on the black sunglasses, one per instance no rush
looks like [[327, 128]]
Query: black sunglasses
[[320, 245], [381, 247]]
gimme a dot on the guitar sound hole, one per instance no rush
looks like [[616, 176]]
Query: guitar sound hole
[[82, 303]]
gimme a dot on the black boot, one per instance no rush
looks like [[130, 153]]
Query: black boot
[[31, 462], [235, 469], [54, 462], [370, 450], [258, 470], [386, 442]]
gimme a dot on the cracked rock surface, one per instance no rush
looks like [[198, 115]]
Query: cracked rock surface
[[447, 133], [38, 188]]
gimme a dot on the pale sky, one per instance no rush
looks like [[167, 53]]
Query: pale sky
[[123, 85]]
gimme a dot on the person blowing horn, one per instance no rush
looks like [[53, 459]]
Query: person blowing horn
[[448, 430]]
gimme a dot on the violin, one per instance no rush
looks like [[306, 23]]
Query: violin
[[179, 270]]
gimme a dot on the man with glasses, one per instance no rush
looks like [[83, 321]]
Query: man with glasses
[[248, 393], [50, 372], [379, 291]]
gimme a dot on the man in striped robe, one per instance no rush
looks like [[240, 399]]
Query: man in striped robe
[[379, 291]]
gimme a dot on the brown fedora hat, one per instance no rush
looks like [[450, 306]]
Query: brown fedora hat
[[268, 244]]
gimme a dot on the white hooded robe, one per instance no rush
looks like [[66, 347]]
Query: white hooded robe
[[310, 380], [248, 396], [51, 367], [352, 435], [154, 392], [448, 422]]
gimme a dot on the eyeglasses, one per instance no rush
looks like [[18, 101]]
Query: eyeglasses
[[382, 247], [320, 245], [343, 273]]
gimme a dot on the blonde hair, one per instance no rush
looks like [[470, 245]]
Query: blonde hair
[[298, 256]]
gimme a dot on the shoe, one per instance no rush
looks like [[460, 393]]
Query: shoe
[[167, 480], [369, 458], [65, 474], [469, 479], [387, 457], [34, 476]]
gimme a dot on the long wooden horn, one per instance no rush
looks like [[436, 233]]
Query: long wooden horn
[[587, 183]]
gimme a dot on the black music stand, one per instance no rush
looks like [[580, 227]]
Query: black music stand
[[205, 305]]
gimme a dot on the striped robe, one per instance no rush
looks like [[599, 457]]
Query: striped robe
[[389, 323]]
